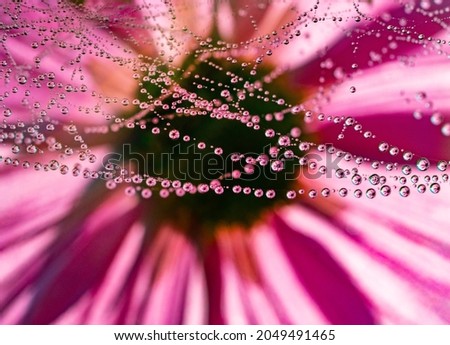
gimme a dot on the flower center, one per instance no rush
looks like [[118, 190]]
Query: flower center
[[216, 143]]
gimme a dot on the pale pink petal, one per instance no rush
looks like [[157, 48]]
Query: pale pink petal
[[35, 199], [279, 277], [245, 296], [127, 20], [323, 277], [170, 276], [150, 277], [397, 295], [173, 28], [259, 292], [75, 242], [236, 309], [196, 305]]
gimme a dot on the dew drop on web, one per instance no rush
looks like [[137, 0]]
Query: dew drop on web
[[442, 165], [423, 164], [56, 121], [385, 190], [445, 129], [404, 191]]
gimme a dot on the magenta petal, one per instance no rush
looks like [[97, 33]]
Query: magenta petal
[[327, 283], [80, 268], [214, 284], [372, 40], [400, 130]]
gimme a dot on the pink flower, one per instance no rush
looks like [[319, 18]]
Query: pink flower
[[224, 162]]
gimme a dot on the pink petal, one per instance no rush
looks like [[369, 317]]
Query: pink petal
[[395, 298], [214, 280], [385, 102], [374, 43], [246, 299], [315, 38], [399, 262], [79, 268], [102, 305], [239, 23], [196, 304], [25, 213], [152, 279], [170, 279], [325, 279], [33, 59], [127, 20], [280, 279]]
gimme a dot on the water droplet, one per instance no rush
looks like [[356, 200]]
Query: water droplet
[[151, 182], [32, 149], [407, 156], [417, 115], [393, 151], [21, 79], [284, 141], [237, 189], [349, 121], [356, 179], [442, 165], [358, 193], [406, 169], [270, 194], [383, 147], [374, 179], [404, 191], [343, 192], [174, 134], [423, 164], [326, 192], [445, 130], [312, 193], [53, 165], [385, 190], [371, 193], [421, 188], [435, 188], [436, 119], [291, 194], [414, 178], [270, 133], [7, 112], [146, 193], [303, 146], [277, 165]]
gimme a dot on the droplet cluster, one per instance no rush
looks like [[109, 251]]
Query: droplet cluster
[[78, 80]]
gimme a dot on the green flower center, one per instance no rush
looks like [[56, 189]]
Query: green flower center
[[217, 144]]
